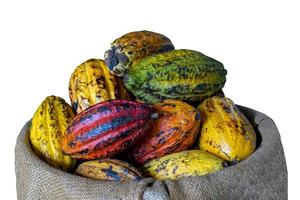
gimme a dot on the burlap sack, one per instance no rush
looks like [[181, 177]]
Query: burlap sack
[[261, 176]]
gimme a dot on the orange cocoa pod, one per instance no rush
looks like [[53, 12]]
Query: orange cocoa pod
[[176, 129]]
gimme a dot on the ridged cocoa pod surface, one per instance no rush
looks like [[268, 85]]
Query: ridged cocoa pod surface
[[180, 74], [183, 164], [107, 129], [91, 83], [132, 47], [225, 131], [109, 170], [176, 129], [48, 127]]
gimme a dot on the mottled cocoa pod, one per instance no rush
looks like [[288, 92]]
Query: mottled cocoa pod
[[176, 129], [225, 132], [109, 170], [132, 47], [91, 83], [107, 129], [181, 74], [48, 127]]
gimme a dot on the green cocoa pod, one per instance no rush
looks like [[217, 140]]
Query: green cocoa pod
[[179, 74]]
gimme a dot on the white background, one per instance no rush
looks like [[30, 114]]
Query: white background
[[41, 42]]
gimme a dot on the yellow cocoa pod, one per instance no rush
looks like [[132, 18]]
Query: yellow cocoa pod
[[108, 169], [225, 131], [91, 83], [48, 127], [183, 164]]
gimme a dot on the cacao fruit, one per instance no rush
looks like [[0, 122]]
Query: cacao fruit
[[109, 170], [91, 83], [179, 74], [183, 164], [48, 126], [107, 129], [176, 129], [132, 47], [225, 131]]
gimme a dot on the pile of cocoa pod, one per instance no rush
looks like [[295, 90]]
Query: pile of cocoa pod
[[146, 110]]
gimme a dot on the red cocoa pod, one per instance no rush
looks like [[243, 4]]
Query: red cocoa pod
[[176, 129], [107, 129]]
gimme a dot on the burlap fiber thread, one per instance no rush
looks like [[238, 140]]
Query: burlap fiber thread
[[263, 175]]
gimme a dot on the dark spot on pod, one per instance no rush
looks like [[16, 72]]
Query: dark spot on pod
[[169, 104], [145, 106], [111, 59], [103, 109], [150, 76], [118, 109], [98, 96], [122, 58], [110, 173], [159, 133], [148, 89], [84, 152], [198, 115], [185, 76], [137, 178], [174, 129], [179, 89], [173, 89], [162, 140], [159, 98], [182, 70], [201, 87], [71, 144], [226, 108], [166, 47], [127, 144], [162, 166], [126, 106], [75, 106], [100, 79], [125, 170], [175, 169]]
